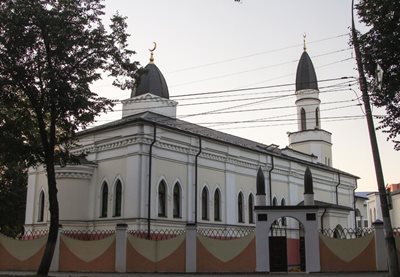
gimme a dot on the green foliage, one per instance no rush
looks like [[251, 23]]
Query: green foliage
[[12, 198], [51, 51], [381, 45]]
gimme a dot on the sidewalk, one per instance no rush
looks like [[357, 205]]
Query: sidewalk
[[75, 274]]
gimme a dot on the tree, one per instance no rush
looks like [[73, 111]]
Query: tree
[[50, 53], [390, 241], [13, 179], [380, 45]]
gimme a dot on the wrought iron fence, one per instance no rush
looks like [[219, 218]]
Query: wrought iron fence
[[225, 232], [88, 234], [346, 233], [157, 234], [29, 234]]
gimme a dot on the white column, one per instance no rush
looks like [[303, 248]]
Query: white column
[[120, 247], [311, 237], [262, 243]]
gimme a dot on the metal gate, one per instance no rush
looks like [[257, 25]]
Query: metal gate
[[278, 254], [302, 254]]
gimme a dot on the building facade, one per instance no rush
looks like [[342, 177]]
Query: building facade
[[152, 170], [374, 205]]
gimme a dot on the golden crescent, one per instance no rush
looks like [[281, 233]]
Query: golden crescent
[[154, 48]]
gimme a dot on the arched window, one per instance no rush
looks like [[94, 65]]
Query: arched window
[[358, 218], [251, 208], [274, 202], [338, 233], [104, 200], [240, 207], [303, 119], [41, 207], [204, 204], [283, 221], [118, 198], [162, 187], [317, 117], [217, 205], [177, 201]]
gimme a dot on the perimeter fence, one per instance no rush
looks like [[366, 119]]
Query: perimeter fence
[[346, 233], [225, 232], [157, 234]]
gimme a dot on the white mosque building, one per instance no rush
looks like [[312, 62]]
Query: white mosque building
[[151, 169]]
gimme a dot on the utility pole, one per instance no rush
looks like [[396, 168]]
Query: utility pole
[[390, 242]]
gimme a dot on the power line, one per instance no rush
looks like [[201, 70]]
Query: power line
[[252, 55], [246, 71], [258, 87]]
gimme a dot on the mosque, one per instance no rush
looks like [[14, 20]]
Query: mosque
[[150, 169]]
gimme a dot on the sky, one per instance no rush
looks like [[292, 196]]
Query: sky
[[207, 46]]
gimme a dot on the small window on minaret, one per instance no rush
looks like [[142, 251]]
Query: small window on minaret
[[317, 117], [303, 119]]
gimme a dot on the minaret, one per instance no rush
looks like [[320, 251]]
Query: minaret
[[151, 94], [309, 138]]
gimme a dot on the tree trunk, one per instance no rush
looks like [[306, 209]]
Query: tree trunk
[[390, 242], [54, 219]]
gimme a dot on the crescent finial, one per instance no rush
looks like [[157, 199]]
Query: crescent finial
[[151, 52], [304, 41]]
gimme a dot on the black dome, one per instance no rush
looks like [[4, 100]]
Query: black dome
[[305, 75], [152, 81]]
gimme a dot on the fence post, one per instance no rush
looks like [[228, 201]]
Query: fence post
[[120, 247], [262, 243], [55, 262], [380, 247], [191, 250]]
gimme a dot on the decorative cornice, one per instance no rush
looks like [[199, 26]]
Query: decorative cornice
[[149, 97], [188, 150], [75, 172], [73, 175]]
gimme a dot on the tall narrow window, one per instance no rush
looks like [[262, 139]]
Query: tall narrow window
[[118, 199], [41, 207], [161, 199], [104, 200], [240, 207], [204, 204], [317, 117], [177, 201], [217, 205], [251, 208], [274, 202], [303, 119]]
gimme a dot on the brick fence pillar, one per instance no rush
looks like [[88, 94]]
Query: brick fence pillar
[[381, 258], [55, 262], [120, 247], [191, 240]]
